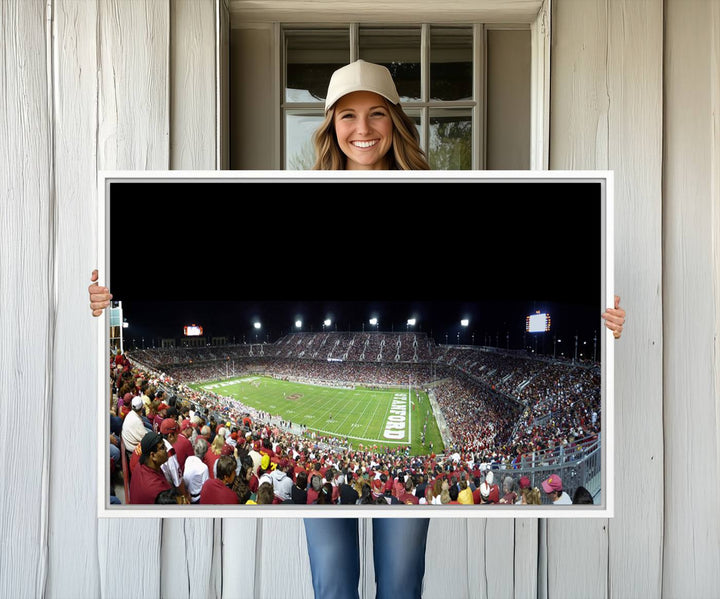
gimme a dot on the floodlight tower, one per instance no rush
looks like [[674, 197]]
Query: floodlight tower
[[117, 323], [576, 341], [257, 326], [594, 346]]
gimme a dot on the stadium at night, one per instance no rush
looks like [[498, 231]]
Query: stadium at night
[[412, 349]]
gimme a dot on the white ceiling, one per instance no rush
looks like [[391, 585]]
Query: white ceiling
[[384, 11]]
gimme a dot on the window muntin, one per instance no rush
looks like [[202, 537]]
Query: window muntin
[[440, 73]]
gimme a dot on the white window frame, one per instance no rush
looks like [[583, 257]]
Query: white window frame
[[535, 14]]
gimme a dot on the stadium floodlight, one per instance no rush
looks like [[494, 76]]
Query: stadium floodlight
[[327, 322], [464, 322], [411, 322], [373, 321], [298, 324], [257, 325]]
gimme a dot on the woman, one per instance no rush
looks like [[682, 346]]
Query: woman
[[530, 496], [364, 128], [325, 495], [213, 454], [509, 493], [435, 495], [241, 485]]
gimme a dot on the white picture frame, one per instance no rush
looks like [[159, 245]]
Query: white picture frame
[[347, 187]]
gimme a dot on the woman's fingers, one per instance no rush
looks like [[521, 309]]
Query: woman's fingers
[[99, 296], [615, 318]]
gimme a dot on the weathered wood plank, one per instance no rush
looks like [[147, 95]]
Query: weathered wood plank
[[690, 284], [129, 545], [608, 90], [191, 567], [74, 572], [239, 558], [577, 559], [193, 88], [450, 556], [133, 127], [282, 569], [132, 134], [635, 89], [27, 316], [526, 557], [578, 140]]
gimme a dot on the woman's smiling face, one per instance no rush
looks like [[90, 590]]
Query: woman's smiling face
[[364, 130]]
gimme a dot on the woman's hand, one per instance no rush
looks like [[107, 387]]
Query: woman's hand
[[615, 318], [99, 296]]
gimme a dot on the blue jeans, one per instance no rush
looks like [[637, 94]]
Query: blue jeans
[[398, 556]]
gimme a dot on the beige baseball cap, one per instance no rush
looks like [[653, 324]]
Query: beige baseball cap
[[361, 76]]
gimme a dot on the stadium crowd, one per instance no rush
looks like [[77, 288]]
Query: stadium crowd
[[329, 373], [186, 446], [362, 347]]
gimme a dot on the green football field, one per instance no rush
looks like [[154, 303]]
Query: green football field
[[386, 418]]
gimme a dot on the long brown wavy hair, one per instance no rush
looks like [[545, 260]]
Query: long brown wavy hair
[[405, 153]]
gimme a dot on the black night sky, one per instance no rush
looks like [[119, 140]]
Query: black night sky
[[225, 254]]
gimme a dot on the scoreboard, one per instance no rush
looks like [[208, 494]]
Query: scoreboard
[[538, 322]]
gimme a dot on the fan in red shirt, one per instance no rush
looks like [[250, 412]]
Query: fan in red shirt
[[148, 480], [218, 490], [408, 497], [181, 444]]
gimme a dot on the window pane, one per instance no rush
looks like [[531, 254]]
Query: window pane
[[415, 117], [399, 51], [299, 151], [450, 139], [451, 63], [311, 58]]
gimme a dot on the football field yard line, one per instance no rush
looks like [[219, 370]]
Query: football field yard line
[[387, 411], [378, 441], [381, 423], [363, 405], [409, 418], [349, 415], [310, 403], [315, 402], [367, 405]]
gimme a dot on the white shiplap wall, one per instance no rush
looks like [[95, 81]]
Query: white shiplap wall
[[75, 92], [132, 133], [606, 113], [112, 84], [27, 317], [691, 205]]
